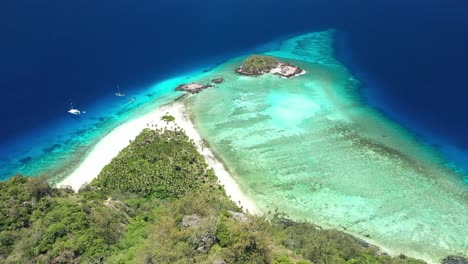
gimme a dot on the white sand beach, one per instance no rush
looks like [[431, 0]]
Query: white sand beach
[[106, 149]]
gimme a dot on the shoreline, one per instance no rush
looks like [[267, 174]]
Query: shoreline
[[226, 180], [119, 138]]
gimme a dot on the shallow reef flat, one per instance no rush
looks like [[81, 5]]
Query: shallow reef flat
[[312, 149]]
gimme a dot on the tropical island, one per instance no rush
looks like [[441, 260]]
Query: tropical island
[[210, 175], [158, 202], [256, 65]]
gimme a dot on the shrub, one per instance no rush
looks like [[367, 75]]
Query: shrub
[[257, 64], [168, 118]]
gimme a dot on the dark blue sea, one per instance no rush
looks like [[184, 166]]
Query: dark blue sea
[[410, 56]]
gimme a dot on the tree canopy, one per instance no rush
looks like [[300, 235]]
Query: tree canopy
[[257, 64], [157, 202]]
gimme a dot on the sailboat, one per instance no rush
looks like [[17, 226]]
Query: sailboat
[[73, 110], [118, 93]]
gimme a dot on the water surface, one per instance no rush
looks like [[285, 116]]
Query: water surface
[[311, 148]]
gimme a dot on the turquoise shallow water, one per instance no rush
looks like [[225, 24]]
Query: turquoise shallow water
[[57, 149], [309, 147]]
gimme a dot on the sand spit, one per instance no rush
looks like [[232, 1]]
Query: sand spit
[[106, 149]]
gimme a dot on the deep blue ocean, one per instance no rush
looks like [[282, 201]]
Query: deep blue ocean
[[411, 56]]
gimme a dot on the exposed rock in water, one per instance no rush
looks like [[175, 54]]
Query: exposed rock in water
[[191, 220], [193, 88], [287, 70], [217, 80], [454, 260]]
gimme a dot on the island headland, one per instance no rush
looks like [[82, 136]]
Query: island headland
[[159, 201]]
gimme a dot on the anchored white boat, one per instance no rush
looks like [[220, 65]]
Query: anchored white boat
[[74, 111]]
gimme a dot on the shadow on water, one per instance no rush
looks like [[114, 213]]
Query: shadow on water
[[52, 148], [25, 160]]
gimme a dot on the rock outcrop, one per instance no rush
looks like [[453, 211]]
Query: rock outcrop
[[454, 260], [217, 80], [287, 70], [219, 261], [191, 220], [204, 243], [238, 216], [193, 88], [256, 65]]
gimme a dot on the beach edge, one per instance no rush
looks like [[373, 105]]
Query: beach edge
[[120, 137]]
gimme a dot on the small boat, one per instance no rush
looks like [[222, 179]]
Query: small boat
[[74, 111], [132, 100], [118, 93]]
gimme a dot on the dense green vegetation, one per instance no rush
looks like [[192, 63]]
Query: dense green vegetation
[[257, 64], [40, 224], [168, 118], [161, 165], [157, 202]]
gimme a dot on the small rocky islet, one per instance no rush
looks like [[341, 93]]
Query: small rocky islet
[[254, 65], [196, 87], [193, 87]]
